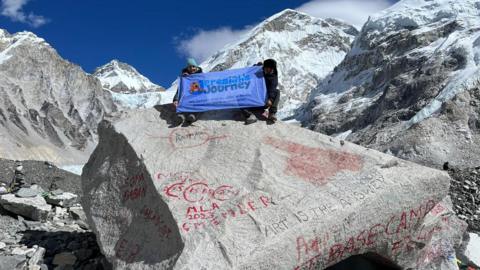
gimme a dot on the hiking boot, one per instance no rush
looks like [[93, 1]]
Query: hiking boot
[[272, 117], [250, 119], [180, 119], [191, 118]]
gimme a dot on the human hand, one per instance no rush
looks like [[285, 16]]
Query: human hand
[[269, 103], [175, 103]]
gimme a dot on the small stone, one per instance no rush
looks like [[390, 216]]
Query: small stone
[[21, 251], [65, 199], [65, 258], [57, 192], [77, 213], [27, 193], [37, 256], [2, 245]]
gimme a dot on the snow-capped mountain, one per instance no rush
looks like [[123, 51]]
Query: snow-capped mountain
[[307, 49], [122, 78], [410, 84], [49, 107]]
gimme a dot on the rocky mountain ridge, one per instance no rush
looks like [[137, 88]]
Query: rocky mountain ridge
[[409, 86], [49, 107]]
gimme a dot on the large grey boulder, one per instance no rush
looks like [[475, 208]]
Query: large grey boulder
[[222, 195], [35, 208]]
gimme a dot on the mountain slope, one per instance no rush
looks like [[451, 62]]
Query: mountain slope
[[410, 84], [306, 48], [123, 78], [49, 107]]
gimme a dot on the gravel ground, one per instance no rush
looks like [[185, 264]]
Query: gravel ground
[[41, 173], [62, 233], [465, 193]]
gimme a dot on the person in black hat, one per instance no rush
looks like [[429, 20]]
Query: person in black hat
[[192, 68], [270, 73]]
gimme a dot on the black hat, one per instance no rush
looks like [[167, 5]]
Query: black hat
[[270, 63]]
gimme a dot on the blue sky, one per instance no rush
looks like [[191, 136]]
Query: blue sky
[[156, 36]]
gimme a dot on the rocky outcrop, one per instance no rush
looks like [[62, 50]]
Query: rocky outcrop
[[49, 107], [33, 245], [410, 85], [34, 208], [221, 195]]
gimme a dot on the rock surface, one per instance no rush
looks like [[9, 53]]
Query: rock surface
[[221, 195], [34, 208]]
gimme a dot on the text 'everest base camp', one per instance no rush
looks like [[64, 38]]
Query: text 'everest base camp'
[[222, 195]]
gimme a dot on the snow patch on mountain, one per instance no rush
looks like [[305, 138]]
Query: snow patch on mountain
[[122, 78], [142, 100]]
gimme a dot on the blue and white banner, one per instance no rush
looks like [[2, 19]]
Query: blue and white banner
[[236, 88]]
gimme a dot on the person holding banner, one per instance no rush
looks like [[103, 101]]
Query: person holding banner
[[192, 68], [273, 95]]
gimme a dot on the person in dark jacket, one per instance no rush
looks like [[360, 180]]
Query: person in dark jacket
[[270, 73], [192, 68]]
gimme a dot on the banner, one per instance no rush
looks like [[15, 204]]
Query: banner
[[230, 89]]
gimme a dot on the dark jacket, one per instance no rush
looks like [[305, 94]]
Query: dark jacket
[[271, 80], [185, 73]]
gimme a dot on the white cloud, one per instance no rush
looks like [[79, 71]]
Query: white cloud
[[355, 12], [205, 43], [13, 9]]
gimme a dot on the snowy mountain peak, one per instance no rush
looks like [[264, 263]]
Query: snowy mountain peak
[[306, 48], [4, 34], [123, 78], [413, 14], [408, 83]]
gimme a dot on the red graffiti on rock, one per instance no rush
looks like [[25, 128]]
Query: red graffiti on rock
[[396, 232], [194, 190], [315, 165], [127, 250], [185, 138]]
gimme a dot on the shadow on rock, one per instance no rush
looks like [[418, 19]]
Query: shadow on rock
[[367, 261], [82, 246]]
